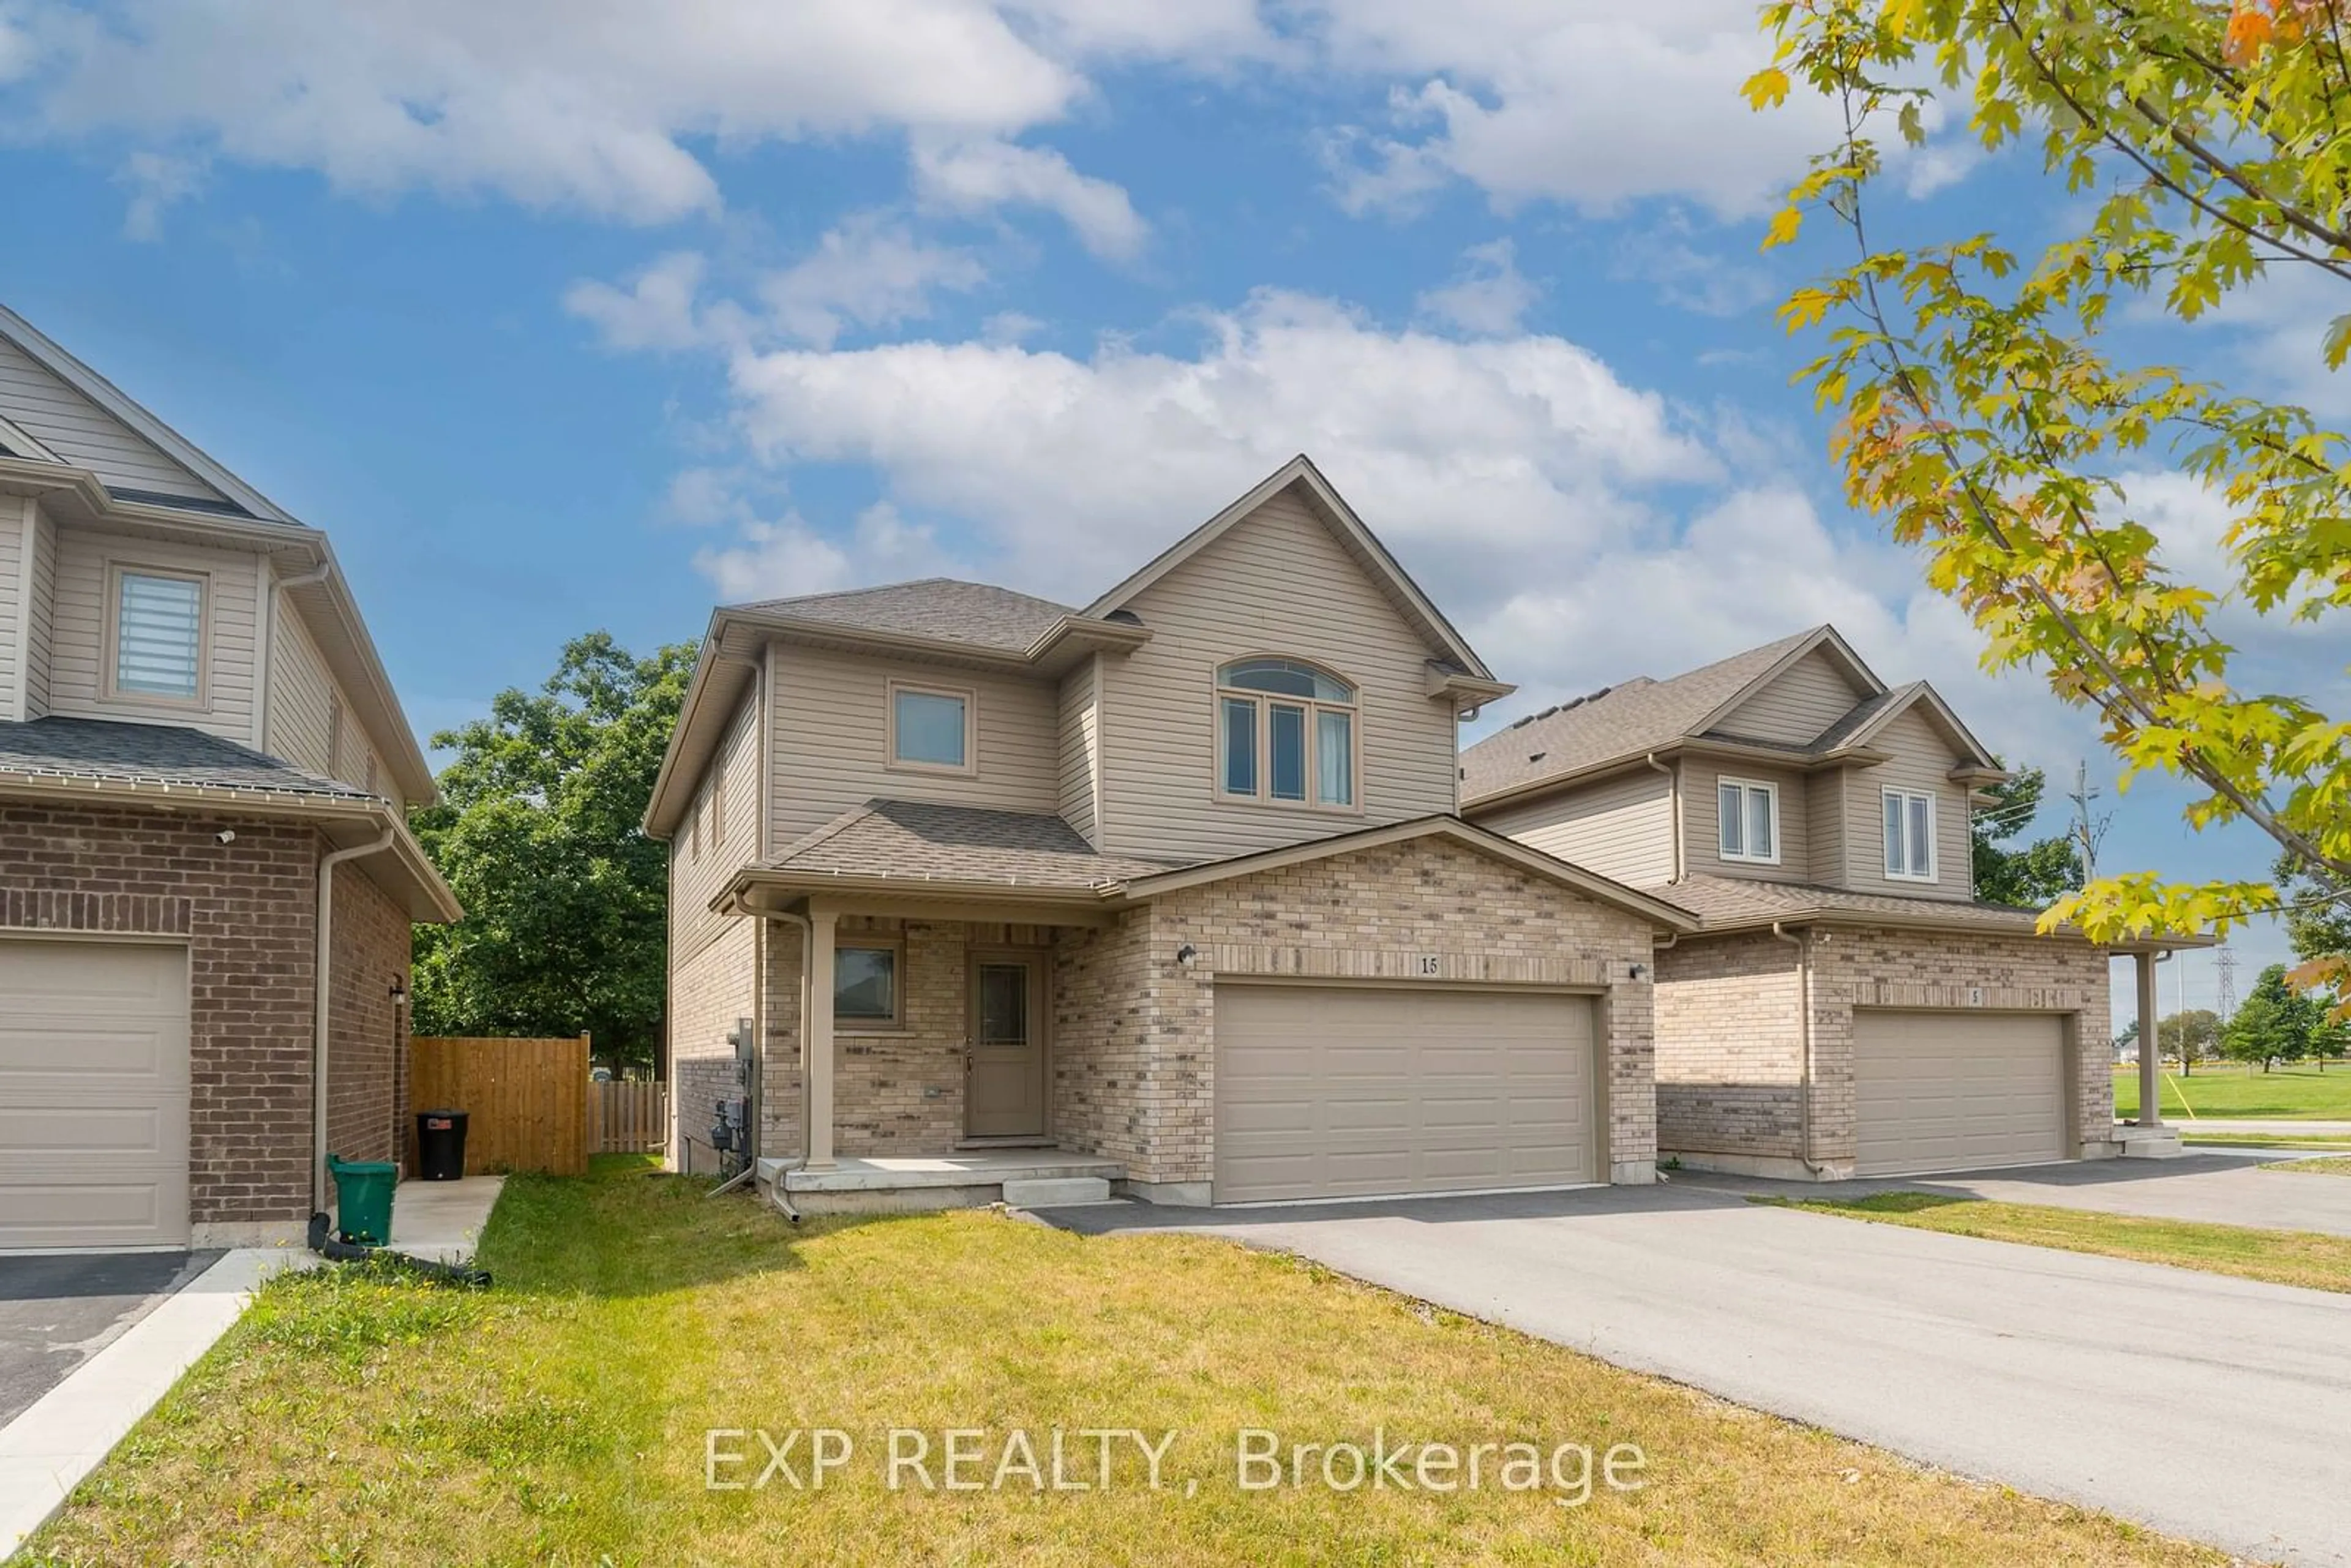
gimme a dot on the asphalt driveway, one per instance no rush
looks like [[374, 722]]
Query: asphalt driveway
[[2202, 1405], [57, 1312]]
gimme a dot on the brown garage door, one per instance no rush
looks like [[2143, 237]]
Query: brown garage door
[[1955, 1091], [93, 1094], [1360, 1091]]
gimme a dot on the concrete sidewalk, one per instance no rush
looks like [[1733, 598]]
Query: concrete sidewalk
[[2214, 1187], [47, 1451]]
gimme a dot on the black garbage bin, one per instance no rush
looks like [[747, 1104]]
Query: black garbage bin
[[440, 1145]]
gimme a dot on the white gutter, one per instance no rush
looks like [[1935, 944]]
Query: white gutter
[[1804, 946], [319, 1023], [1674, 805]]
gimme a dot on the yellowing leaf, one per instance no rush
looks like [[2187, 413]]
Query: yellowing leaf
[[2338, 342], [1784, 224], [1766, 89], [2249, 29]]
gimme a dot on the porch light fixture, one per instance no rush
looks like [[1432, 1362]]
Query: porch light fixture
[[1636, 971], [399, 990], [1187, 955]]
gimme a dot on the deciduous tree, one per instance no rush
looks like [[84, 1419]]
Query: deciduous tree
[[2028, 876]]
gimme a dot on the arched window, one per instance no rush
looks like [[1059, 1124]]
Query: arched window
[[1285, 734]]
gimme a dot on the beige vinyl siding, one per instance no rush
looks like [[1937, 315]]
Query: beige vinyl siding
[[718, 836], [1277, 584], [1080, 714], [1920, 758], [85, 434], [1700, 809], [301, 697], [831, 738], [15, 523], [1825, 825], [1797, 704], [79, 654], [40, 615], [1620, 826]]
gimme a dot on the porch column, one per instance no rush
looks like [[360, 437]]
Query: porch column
[[816, 1037], [2150, 1049]]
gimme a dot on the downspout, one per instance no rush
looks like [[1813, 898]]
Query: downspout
[[321, 970], [1804, 947], [1674, 798]]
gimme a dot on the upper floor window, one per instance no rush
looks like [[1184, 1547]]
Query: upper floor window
[[159, 634], [1285, 733], [930, 727], [1909, 835], [1749, 821]]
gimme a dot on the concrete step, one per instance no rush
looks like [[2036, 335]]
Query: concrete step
[[1056, 1192]]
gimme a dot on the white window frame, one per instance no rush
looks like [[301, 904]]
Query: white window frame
[[967, 696], [1743, 857], [1934, 870], [116, 570], [1313, 706]]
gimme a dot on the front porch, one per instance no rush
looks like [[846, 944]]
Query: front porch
[[900, 1183]]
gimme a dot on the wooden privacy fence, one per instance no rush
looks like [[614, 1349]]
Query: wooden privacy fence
[[627, 1116], [525, 1101]]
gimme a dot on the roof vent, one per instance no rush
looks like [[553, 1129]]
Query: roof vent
[[1124, 617], [1537, 756]]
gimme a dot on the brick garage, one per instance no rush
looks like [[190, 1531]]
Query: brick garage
[[1730, 1043], [246, 913], [1135, 1063]]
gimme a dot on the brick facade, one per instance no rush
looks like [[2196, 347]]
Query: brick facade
[[709, 989], [1130, 1055], [1729, 1051], [368, 1033], [246, 910]]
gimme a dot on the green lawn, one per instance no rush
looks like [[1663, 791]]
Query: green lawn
[[2303, 1258], [2337, 1166], [2269, 1140], [562, 1417], [2216, 1090]]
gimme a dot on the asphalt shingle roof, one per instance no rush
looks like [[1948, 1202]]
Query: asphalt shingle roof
[[1721, 900], [920, 841], [1640, 715], [151, 753], [975, 612]]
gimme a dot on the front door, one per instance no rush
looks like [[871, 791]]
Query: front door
[[1004, 1060]]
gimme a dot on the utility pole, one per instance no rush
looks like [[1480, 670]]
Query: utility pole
[[2224, 960], [2089, 830]]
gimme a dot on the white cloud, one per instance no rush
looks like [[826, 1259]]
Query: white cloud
[[869, 272], [1723, 281], [156, 180], [1484, 457], [787, 559], [581, 104], [1487, 297], [658, 309], [973, 176]]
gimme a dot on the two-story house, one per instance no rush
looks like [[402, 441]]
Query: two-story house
[[207, 883], [1848, 1007], [1169, 891]]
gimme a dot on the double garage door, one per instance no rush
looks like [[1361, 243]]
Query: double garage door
[[1957, 1091], [1363, 1091], [93, 1094]]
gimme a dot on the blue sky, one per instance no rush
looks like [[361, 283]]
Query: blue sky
[[586, 314]]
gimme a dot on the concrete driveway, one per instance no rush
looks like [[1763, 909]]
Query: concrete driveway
[[57, 1312], [2203, 1407]]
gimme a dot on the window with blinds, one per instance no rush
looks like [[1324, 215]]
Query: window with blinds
[[159, 634]]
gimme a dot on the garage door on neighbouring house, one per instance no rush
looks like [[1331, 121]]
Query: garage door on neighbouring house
[[93, 1094], [1362, 1090], [1953, 1091]]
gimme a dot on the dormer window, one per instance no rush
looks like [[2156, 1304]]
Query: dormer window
[[1285, 734], [158, 635]]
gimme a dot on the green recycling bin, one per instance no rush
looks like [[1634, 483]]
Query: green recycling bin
[[363, 1199]]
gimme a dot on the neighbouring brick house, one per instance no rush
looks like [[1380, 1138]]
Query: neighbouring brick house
[[196, 739], [1846, 1007], [1168, 890]]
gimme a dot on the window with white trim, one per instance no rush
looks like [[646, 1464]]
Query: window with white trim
[[1909, 835], [159, 634], [1748, 821], [1285, 734], [930, 729]]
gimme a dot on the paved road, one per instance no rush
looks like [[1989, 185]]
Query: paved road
[[56, 1313], [2223, 1186], [2204, 1407]]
